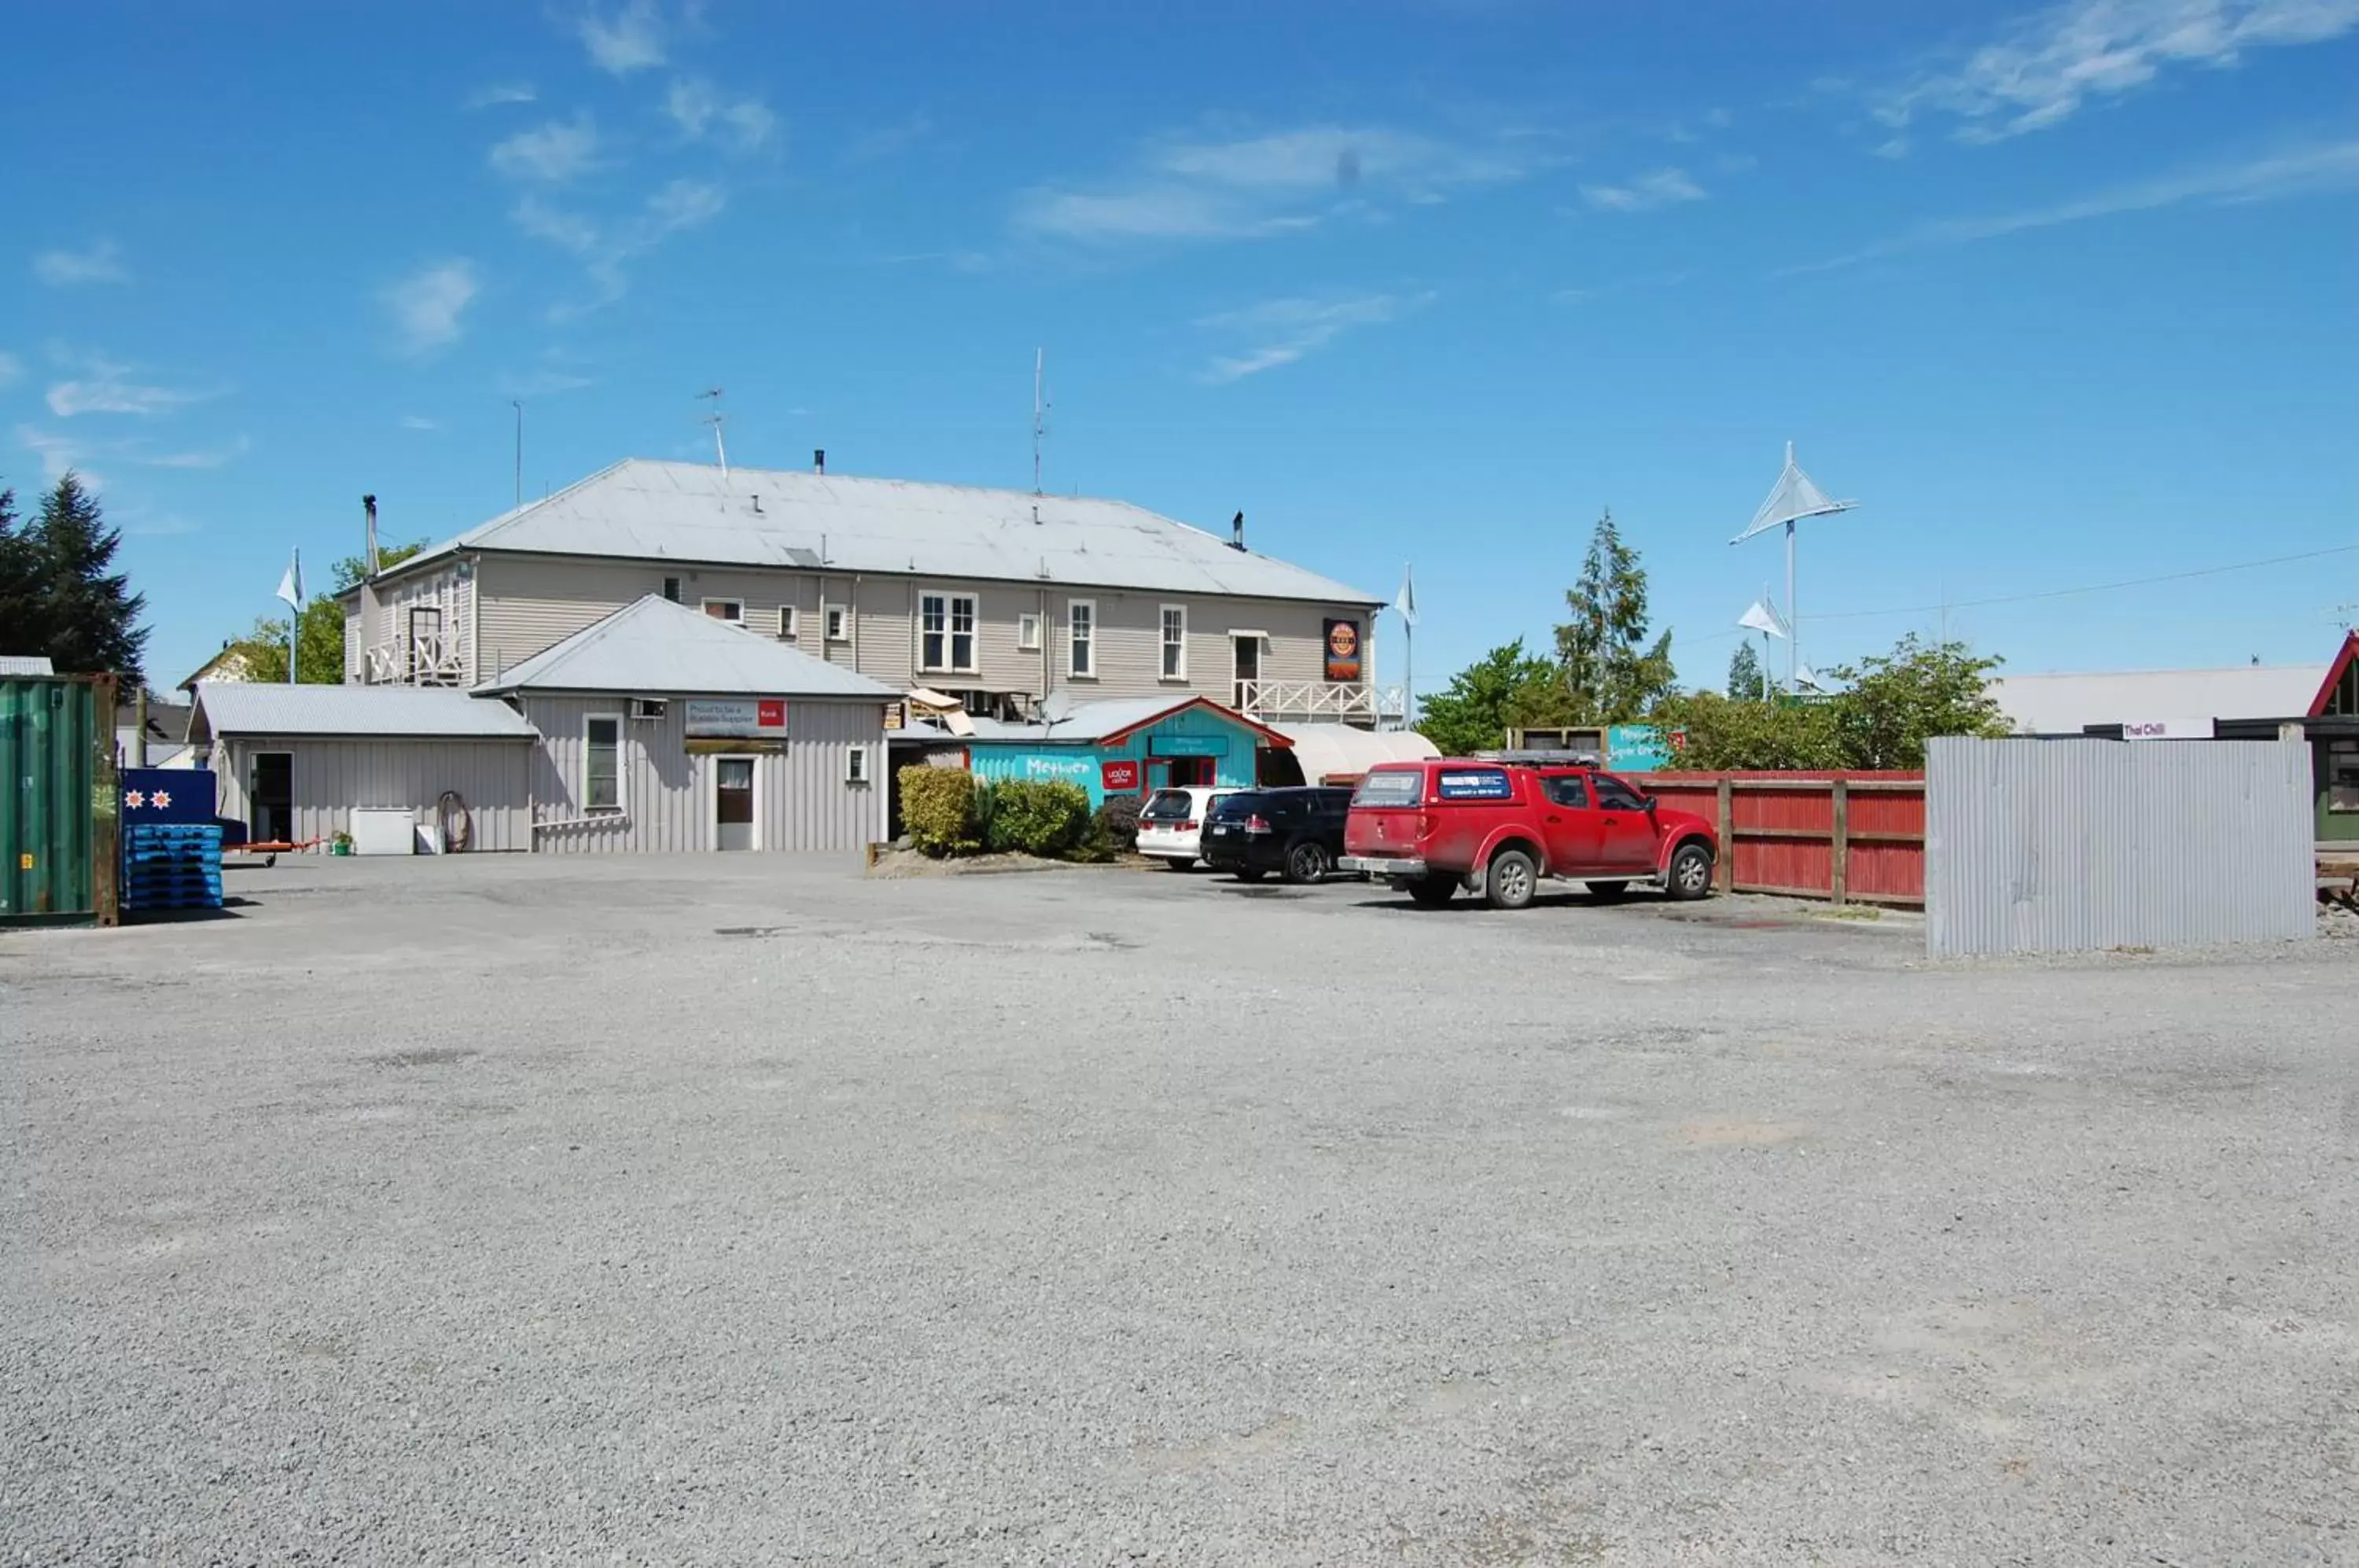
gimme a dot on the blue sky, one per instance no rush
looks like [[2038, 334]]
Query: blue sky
[[2064, 296]]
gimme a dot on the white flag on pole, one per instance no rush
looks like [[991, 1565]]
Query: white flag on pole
[[290, 587], [1406, 603], [1763, 618]]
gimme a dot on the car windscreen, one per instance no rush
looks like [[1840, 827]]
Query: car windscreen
[[1399, 786], [1474, 784], [1613, 795], [1168, 806]]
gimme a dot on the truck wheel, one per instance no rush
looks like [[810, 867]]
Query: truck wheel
[[1512, 879], [1308, 862], [1432, 892], [1690, 876], [1607, 892]]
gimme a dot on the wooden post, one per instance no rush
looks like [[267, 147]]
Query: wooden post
[[1727, 867], [1840, 877]]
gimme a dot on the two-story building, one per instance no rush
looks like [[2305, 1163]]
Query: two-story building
[[999, 597]]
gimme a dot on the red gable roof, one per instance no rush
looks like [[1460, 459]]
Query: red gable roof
[[2335, 674]]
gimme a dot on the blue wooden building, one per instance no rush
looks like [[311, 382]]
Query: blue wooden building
[[1128, 748]]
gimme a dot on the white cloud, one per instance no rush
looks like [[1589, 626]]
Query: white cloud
[[2334, 167], [699, 109], [631, 40], [11, 367], [1663, 188], [104, 387], [60, 454], [555, 152], [419, 422], [216, 457], [1255, 186], [493, 94], [607, 252], [428, 306], [101, 263], [543, 381], [1280, 331], [2049, 65], [1893, 148], [542, 222], [886, 141]]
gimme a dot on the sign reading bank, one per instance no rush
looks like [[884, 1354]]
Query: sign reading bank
[[737, 718]]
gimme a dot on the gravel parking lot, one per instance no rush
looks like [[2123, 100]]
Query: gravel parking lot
[[727, 1211]]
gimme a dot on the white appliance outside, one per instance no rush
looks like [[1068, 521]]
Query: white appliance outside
[[384, 829]]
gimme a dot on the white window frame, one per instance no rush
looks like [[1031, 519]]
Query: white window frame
[[1164, 645], [790, 624], [1078, 611], [1027, 632], [951, 600], [704, 606], [621, 785], [857, 771], [834, 623]]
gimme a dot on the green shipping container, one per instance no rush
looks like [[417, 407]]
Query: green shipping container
[[58, 812]]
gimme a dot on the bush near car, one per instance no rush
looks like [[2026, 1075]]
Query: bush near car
[[1045, 819], [938, 810], [1114, 828]]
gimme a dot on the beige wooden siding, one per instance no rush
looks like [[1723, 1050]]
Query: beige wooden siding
[[353, 660], [332, 776], [529, 603], [802, 803]]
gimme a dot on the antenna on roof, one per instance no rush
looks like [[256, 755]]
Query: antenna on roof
[[716, 419], [1040, 411]]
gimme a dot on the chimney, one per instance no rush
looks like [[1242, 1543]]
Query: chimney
[[368, 510], [818, 460], [1237, 531]]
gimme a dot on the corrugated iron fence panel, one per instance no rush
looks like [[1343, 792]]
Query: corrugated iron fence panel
[[2053, 846], [57, 799]]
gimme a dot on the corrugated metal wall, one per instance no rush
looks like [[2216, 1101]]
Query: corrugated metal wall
[[58, 806], [332, 776], [2053, 846], [801, 799]]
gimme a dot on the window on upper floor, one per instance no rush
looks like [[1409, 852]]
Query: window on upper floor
[[836, 624], [730, 610], [1027, 632], [1082, 639], [786, 623], [1175, 642], [671, 589], [946, 638]]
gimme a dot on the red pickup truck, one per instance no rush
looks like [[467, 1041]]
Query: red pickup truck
[[1430, 828]]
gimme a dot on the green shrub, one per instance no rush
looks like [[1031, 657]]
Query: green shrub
[[1115, 829], [1037, 818], [938, 809]]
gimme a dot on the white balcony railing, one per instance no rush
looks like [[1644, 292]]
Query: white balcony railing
[[1322, 701], [429, 658]]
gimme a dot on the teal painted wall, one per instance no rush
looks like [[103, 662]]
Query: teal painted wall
[[1195, 733]]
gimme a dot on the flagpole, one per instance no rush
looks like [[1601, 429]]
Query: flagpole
[[295, 617]]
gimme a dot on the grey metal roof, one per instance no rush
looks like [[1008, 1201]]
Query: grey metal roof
[[656, 646], [642, 509], [251, 707], [1087, 722], [2065, 704], [26, 664]]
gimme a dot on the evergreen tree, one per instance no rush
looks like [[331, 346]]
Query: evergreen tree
[[1610, 674], [84, 616], [1484, 700], [1746, 681]]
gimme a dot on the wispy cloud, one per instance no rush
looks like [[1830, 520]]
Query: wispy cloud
[[889, 141], [608, 251], [1663, 188], [1892, 147], [554, 152], [1248, 187], [419, 422], [570, 231], [11, 367], [2330, 168], [493, 94], [215, 457], [60, 454], [102, 385], [1280, 331], [428, 306], [629, 39], [701, 110], [2048, 65], [142, 523], [543, 381], [1643, 283], [101, 263]]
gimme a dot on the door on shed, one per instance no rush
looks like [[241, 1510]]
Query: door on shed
[[270, 796], [732, 802]]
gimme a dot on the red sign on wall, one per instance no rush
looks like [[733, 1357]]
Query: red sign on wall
[[772, 713], [1120, 776]]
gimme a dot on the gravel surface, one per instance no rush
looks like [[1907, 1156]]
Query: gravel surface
[[724, 1211]]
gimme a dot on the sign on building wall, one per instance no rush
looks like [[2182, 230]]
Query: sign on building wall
[[1058, 770], [1118, 776], [1342, 651], [1187, 745], [737, 718]]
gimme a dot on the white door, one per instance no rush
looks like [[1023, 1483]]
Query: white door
[[732, 802]]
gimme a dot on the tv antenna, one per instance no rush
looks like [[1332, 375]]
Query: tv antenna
[[1791, 499], [1040, 411], [716, 419]]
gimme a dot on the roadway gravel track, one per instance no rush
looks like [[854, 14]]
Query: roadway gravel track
[[725, 1210]]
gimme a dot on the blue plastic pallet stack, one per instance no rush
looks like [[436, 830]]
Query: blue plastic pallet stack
[[171, 866]]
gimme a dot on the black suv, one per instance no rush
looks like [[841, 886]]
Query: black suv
[[1299, 833]]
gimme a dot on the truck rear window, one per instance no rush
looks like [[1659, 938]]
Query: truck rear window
[[1474, 784], [1168, 805], [1401, 787]]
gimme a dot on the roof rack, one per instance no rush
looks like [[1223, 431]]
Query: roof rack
[[1540, 758]]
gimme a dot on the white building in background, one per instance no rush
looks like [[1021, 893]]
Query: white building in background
[[2153, 704]]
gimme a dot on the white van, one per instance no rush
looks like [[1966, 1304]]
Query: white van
[[1171, 823]]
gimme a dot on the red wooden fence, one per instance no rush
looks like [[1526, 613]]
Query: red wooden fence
[[1851, 837]]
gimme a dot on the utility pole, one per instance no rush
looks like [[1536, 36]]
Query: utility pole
[[1040, 411]]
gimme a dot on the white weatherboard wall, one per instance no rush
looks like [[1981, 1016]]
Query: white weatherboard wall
[[2058, 845], [801, 800], [333, 775]]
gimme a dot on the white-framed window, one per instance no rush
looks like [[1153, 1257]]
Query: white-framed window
[[730, 610], [1027, 632], [835, 623], [1175, 642], [946, 631], [856, 765], [602, 762], [1082, 639], [786, 623]]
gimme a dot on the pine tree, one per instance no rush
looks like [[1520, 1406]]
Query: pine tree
[[1609, 675], [24, 621], [90, 617], [1746, 682]]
